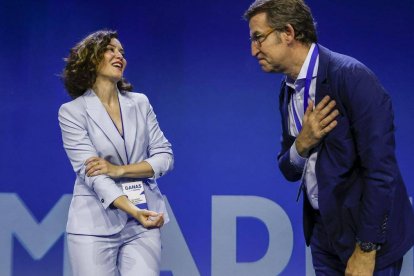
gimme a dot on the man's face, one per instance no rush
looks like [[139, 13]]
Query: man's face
[[270, 48]]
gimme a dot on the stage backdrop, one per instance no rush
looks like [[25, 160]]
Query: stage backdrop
[[233, 213]]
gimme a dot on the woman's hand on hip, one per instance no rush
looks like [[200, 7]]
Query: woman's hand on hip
[[97, 166]]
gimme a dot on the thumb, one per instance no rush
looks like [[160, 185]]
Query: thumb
[[309, 109], [150, 213]]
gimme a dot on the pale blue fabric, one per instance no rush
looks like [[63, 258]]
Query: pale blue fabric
[[87, 130], [131, 252]]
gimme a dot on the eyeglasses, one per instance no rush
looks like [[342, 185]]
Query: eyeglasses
[[258, 39]]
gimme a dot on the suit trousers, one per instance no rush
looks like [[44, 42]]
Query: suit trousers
[[327, 263], [135, 251]]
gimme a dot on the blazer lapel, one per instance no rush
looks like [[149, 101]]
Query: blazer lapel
[[129, 121], [284, 101], [97, 112], [322, 84]]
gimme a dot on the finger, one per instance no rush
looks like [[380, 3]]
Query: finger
[[149, 224], [155, 221], [94, 158], [327, 109], [89, 171], [310, 107], [308, 111], [161, 223], [149, 213], [327, 120], [92, 171], [91, 166], [329, 128], [98, 171], [160, 216], [322, 103]]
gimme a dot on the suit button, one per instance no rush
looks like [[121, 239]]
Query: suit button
[[102, 200]]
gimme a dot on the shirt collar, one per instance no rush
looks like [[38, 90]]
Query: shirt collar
[[300, 80]]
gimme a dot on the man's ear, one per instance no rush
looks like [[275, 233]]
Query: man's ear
[[289, 34]]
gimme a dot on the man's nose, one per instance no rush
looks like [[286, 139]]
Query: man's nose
[[255, 50]]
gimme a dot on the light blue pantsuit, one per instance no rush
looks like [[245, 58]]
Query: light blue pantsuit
[[101, 239], [134, 251]]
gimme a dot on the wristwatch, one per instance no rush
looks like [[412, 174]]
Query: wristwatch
[[368, 246]]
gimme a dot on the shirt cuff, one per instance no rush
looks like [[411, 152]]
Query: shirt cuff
[[295, 159]]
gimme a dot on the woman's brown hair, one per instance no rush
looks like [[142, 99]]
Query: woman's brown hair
[[82, 63]]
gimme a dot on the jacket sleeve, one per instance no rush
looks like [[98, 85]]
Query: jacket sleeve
[[79, 148], [292, 171], [160, 155], [291, 164], [371, 117]]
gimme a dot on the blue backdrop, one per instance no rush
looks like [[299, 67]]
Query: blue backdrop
[[233, 211]]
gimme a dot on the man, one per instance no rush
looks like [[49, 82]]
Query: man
[[338, 139]]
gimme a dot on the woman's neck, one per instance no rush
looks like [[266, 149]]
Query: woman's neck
[[106, 91]]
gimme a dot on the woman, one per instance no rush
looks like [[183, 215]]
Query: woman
[[117, 150]]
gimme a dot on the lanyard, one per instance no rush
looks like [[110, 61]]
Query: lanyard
[[308, 82]]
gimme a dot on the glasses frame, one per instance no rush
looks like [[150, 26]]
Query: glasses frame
[[257, 40]]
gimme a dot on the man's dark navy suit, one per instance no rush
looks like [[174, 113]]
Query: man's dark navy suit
[[361, 192]]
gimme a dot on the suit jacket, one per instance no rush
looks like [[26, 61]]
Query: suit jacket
[[361, 192], [87, 130]]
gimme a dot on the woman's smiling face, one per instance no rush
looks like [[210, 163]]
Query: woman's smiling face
[[113, 63]]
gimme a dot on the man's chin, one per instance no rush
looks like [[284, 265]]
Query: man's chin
[[266, 69]]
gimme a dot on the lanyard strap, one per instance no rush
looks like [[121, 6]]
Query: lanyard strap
[[308, 82]]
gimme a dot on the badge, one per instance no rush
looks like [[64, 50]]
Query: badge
[[135, 193]]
